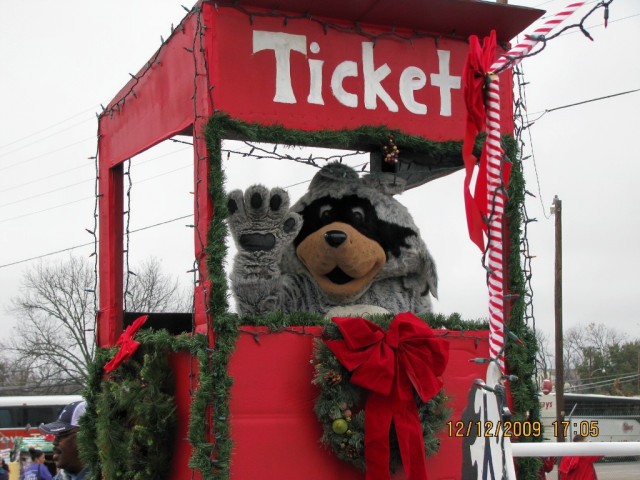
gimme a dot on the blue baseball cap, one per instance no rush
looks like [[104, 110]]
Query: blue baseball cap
[[68, 419]]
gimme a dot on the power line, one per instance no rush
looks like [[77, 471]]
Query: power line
[[84, 181], [24, 260], [596, 99], [605, 383], [45, 193], [47, 177], [44, 138], [22, 162], [55, 207], [31, 134]]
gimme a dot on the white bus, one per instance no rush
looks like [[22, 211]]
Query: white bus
[[602, 418], [20, 416]]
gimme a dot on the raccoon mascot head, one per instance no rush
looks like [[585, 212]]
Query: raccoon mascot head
[[359, 244], [346, 242]]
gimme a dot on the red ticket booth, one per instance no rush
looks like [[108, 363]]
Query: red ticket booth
[[305, 66]]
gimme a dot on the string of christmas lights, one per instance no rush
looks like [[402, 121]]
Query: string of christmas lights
[[520, 126], [356, 28], [94, 233], [541, 37], [127, 236]]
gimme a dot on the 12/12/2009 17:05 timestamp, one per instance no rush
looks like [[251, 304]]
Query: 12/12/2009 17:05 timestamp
[[520, 429]]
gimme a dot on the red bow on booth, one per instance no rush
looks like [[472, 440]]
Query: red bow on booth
[[392, 365], [128, 345], [474, 77]]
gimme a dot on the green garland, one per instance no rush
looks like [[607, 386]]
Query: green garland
[[339, 407], [368, 138], [128, 429], [111, 406], [520, 359]]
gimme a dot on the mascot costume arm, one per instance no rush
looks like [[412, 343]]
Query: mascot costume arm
[[262, 227]]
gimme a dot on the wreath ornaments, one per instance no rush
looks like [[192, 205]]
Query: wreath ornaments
[[371, 379]]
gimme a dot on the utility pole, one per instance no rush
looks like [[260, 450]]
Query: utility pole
[[556, 210]]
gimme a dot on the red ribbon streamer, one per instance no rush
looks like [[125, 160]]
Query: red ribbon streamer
[[474, 77], [391, 366], [128, 345]]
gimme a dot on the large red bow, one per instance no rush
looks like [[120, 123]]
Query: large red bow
[[391, 366], [474, 75], [128, 345]]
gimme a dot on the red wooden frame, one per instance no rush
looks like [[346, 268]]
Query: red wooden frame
[[211, 55]]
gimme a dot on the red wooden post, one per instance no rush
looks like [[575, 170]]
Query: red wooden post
[[109, 324]]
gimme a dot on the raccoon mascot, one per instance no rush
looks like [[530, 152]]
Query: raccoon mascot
[[346, 244]]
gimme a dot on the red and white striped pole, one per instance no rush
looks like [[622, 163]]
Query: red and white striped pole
[[517, 53], [495, 187], [496, 201]]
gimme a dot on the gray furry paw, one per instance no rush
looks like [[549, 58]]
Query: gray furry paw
[[260, 220]]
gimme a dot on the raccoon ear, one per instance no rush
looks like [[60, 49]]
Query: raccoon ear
[[387, 183], [332, 173]]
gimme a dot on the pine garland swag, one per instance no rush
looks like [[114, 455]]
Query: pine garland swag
[[127, 432], [138, 398], [340, 407]]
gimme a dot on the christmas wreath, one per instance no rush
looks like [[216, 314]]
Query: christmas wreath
[[343, 401], [134, 409]]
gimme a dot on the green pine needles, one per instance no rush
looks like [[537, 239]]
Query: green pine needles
[[128, 429]]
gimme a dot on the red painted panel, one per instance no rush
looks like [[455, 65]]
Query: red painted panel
[[161, 106], [265, 71], [275, 431], [185, 370]]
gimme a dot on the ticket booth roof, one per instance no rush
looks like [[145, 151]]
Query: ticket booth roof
[[450, 17]]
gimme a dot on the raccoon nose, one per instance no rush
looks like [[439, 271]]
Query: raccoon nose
[[335, 238]]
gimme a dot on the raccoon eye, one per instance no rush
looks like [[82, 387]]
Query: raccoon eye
[[325, 212], [357, 214]]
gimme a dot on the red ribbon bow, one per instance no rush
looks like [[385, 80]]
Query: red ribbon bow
[[474, 75], [128, 345], [391, 366]]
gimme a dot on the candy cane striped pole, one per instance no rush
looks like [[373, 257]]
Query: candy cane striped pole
[[517, 53], [496, 202], [495, 187]]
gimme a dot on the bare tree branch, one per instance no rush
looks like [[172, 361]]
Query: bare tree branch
[[55, 336]]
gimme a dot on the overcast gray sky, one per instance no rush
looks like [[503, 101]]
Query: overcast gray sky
[[60, 60]]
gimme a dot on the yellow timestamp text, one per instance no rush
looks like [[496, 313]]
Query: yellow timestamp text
[[488, 428], [586, 428]]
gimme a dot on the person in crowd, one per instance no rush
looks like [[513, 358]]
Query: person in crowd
[[4, 470], [37, 470], [65, 448], [578, 467]]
